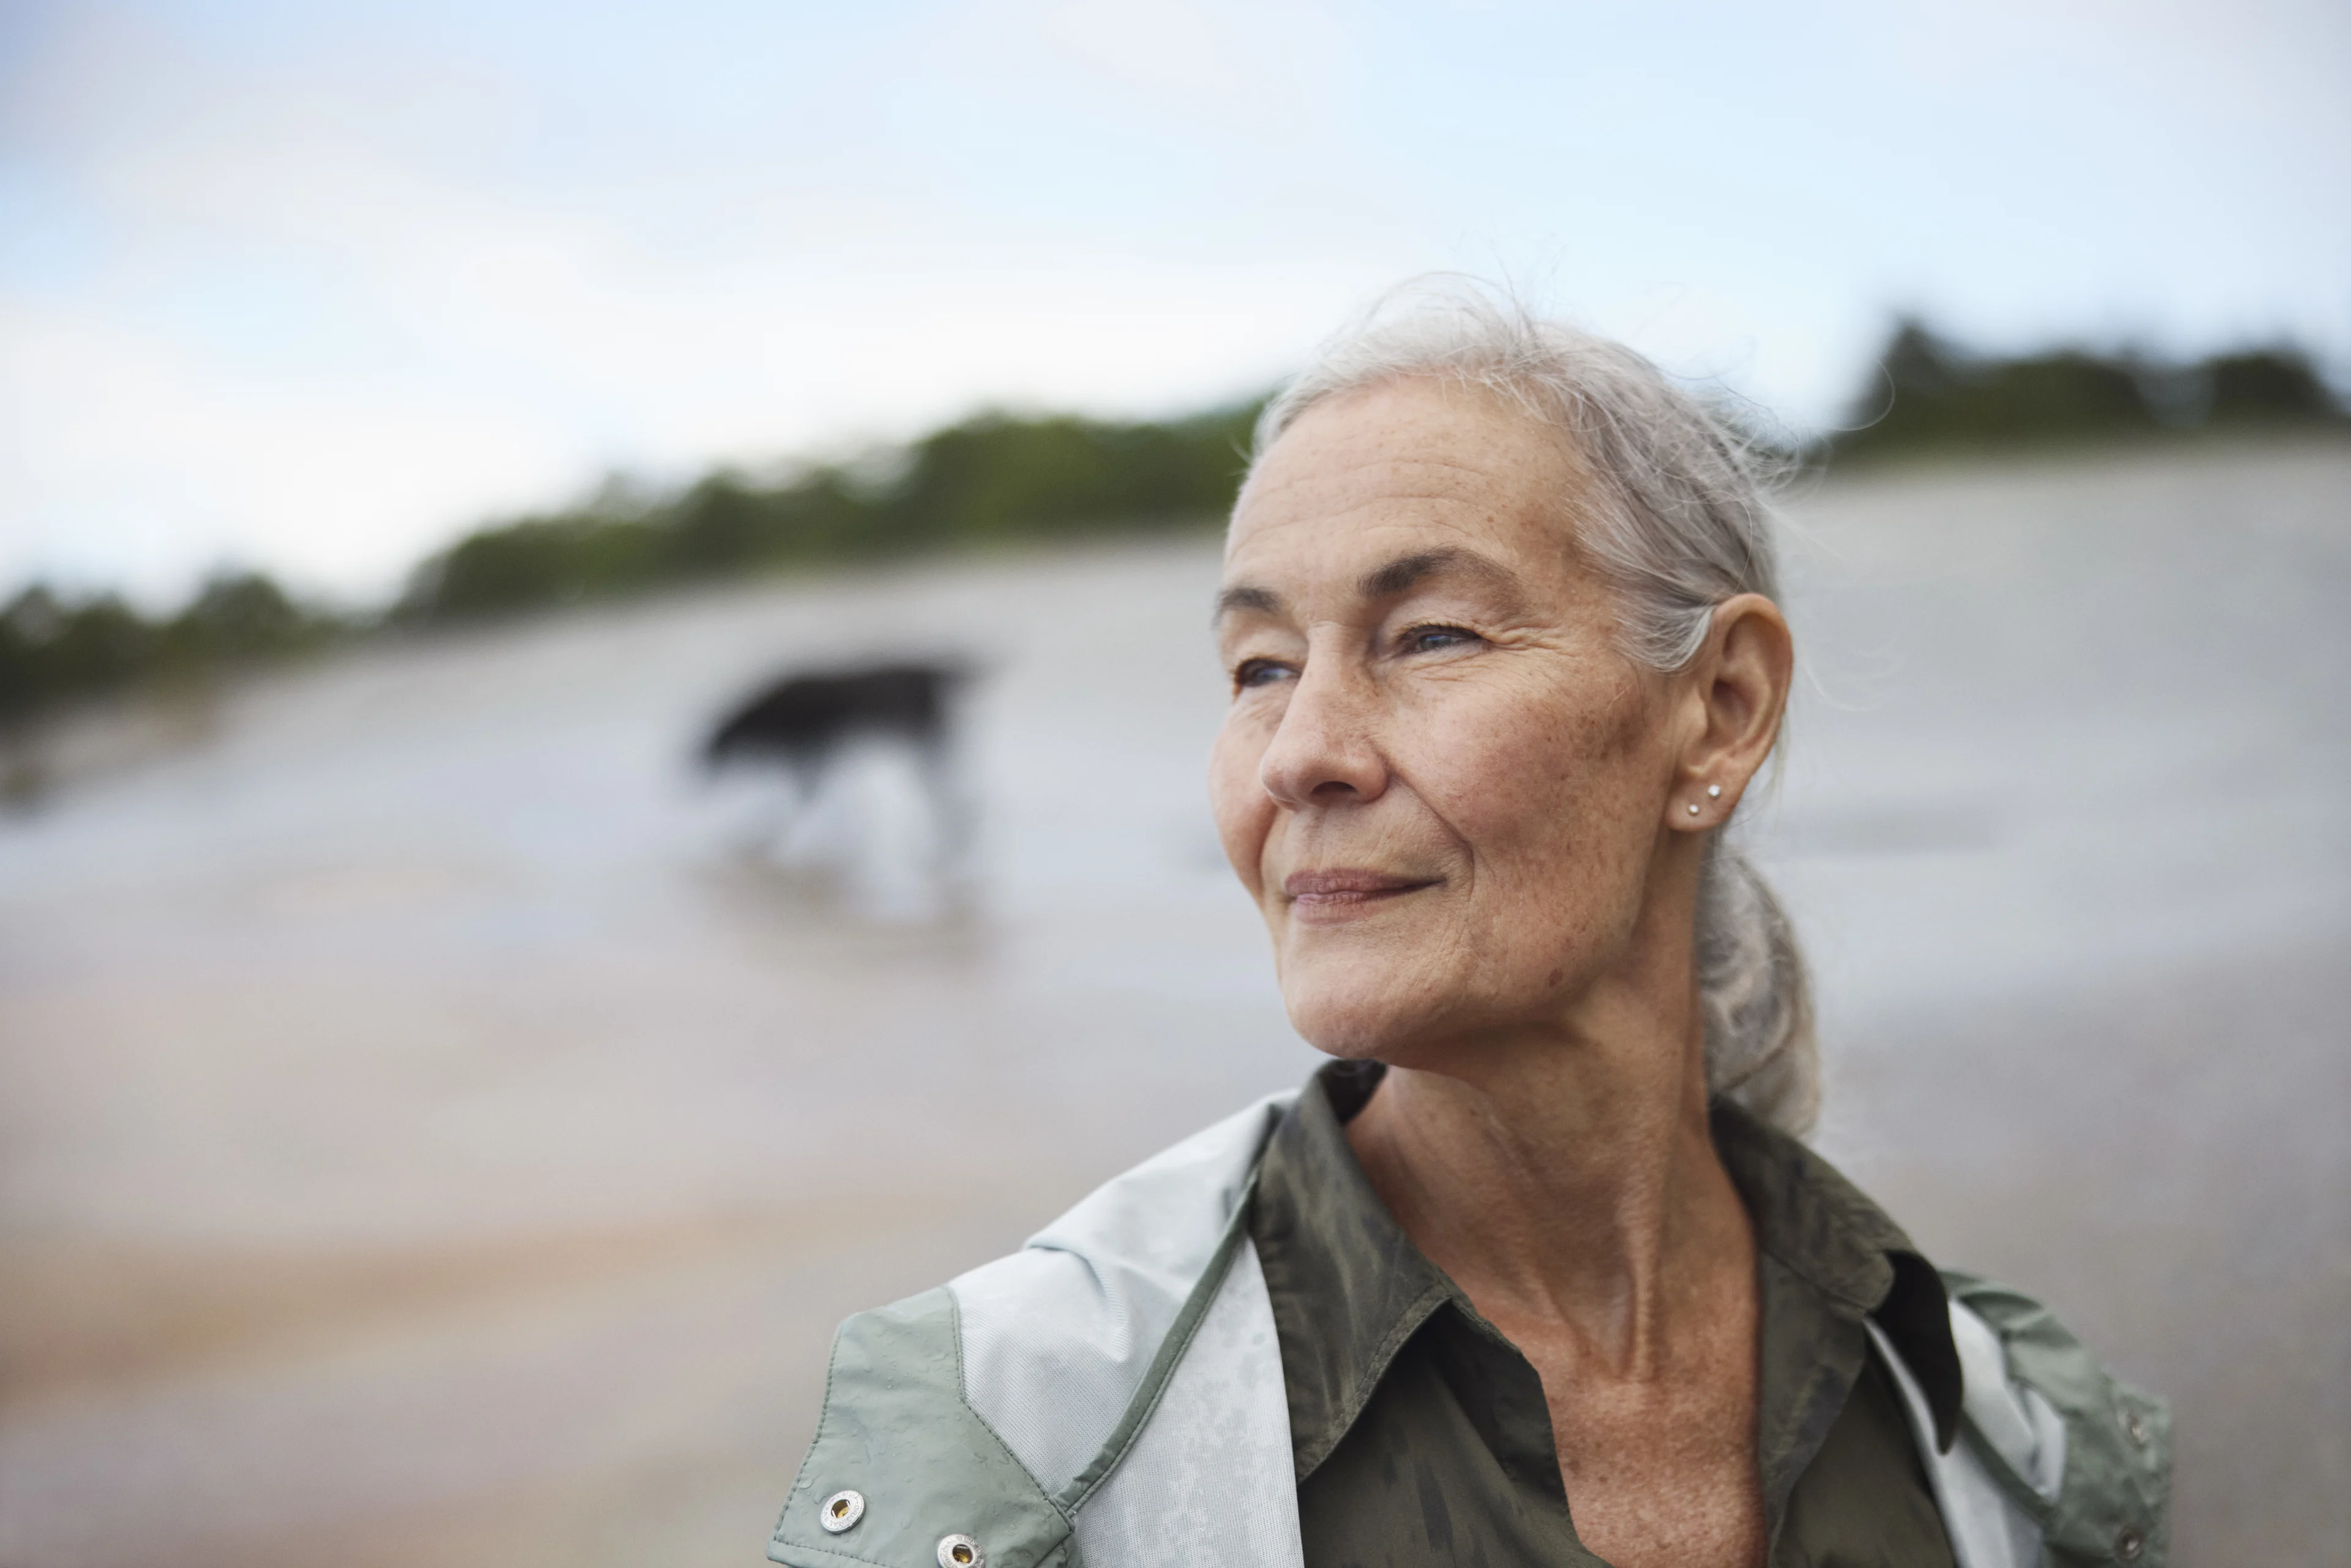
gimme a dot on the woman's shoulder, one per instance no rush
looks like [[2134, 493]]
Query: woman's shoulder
[[1084, 1308], [2053, 1448], [992, 1406], [2086, 1453]]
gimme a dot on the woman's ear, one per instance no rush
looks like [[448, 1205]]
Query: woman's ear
[[1739, 686]]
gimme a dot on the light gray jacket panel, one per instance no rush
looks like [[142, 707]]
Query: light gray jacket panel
[[1112, 1392], [1210, 1476], [1111, 1396], [1060, 1338]]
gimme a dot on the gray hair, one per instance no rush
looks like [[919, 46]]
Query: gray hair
[[1680, 524]]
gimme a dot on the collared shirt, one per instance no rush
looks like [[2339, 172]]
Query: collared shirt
[[1421, 1434]]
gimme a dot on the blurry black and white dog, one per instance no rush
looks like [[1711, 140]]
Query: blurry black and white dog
[[803, 723]]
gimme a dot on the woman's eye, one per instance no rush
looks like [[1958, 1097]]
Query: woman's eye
[[1257, 672], [1432, 639]]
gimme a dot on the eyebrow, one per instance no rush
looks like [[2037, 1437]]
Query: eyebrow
[[1407, 572], [1398, 576], [1264, 600]]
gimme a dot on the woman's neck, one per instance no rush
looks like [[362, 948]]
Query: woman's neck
[[1569, 1184]]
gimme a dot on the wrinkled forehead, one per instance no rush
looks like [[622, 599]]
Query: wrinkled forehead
[[1371, 470]]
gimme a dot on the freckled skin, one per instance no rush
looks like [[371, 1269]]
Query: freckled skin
[[1464, 815], [1508, 769]]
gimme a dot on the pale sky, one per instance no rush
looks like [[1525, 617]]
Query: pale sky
[[316, 288]]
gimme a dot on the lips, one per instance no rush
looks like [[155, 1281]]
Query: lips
[[1347, 887]]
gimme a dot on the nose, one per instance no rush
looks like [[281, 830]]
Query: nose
[[1325, 751]]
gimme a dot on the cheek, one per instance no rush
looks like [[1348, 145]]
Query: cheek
[[1542, 782], [1243, 810]]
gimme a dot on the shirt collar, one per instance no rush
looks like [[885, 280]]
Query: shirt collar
[[1350, 1288], [1821, 1228]]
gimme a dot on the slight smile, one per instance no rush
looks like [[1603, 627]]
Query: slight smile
[[1329, 894]]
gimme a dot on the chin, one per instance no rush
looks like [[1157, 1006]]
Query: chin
[[1359, 1012], [1414, 1007]]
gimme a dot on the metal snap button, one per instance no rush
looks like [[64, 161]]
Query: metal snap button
[[841, 1510], [2130, 1543], [960, 1551], [2135, 1428]]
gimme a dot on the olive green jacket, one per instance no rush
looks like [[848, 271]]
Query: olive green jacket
[[1112, 1397]]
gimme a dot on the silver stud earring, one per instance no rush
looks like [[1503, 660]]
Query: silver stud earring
[[1693, 810], [1713, 792]]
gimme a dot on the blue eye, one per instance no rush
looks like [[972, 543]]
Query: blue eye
[[1430, 639], [1257, 672]]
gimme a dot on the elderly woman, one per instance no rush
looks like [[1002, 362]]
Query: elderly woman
[[1536, 1271]]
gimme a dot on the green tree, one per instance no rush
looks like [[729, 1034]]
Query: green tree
[[2277, 386], [1931, 396]]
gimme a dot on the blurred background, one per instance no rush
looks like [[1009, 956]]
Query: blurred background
[[441, 1116]]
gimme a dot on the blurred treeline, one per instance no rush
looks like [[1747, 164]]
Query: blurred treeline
[[54, 649], [1931, 396], [987, 481], [994, 479], [999, 479]]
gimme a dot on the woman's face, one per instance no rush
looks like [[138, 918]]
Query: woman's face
[[1444, 786]]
